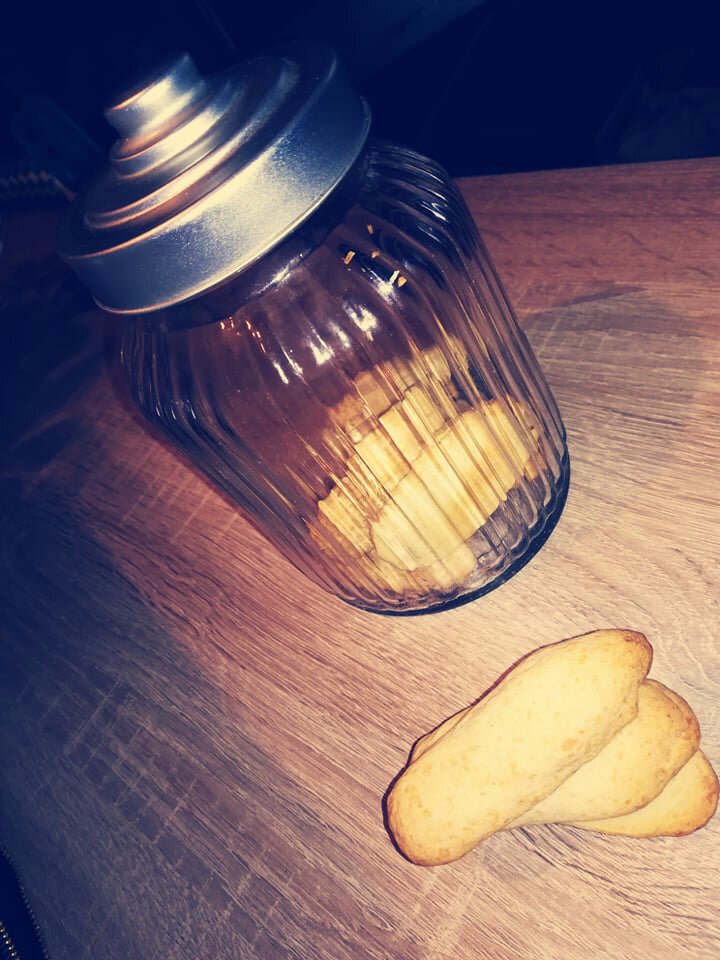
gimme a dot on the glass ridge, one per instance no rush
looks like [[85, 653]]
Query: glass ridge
[[366, 396]]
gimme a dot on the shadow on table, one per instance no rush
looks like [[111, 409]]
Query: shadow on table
[[142, 813], [630, 375]]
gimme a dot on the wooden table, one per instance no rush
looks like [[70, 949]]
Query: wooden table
[[195, 740]]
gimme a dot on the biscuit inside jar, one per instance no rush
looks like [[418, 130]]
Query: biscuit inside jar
[[426, 472]]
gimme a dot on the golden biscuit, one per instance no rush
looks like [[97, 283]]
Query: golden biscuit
[[632, 769], [550, 714], [686, 804]]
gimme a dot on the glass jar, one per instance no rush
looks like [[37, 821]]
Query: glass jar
[[363, 391]]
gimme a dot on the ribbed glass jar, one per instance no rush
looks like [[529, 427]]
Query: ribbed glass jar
[[366, 395]]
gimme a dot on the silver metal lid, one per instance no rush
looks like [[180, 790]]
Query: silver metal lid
[[210, 174]]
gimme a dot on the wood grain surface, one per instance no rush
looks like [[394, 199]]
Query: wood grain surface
[[195, 740]]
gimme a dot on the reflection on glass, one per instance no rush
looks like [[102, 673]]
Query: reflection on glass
[[366, 395]]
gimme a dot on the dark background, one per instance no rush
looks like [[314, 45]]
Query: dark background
[[484, 86]]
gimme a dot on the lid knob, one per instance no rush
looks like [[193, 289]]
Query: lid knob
[[152, 103]]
